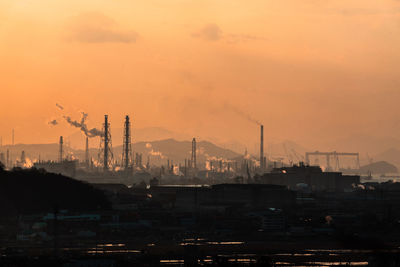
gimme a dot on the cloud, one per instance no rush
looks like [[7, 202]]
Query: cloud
[[105, 36], [98, 28], [212, 32], [237, 38]]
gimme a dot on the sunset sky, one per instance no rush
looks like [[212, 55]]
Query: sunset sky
[[309, 70]]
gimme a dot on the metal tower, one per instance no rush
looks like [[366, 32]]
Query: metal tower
[[193, 160], [61, 150], [127, 147], [106, 146]]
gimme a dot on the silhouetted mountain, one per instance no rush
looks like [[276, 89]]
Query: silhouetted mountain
[[159, 151], [33, 191], [391, 155], [32, 151], [380, 167], [77, 140], [177, 151]]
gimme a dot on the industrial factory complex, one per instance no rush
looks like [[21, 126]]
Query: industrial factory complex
[[130, 169], [239, 211]]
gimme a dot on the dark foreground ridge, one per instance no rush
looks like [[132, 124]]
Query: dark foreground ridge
[[31, 191], [291, 216]]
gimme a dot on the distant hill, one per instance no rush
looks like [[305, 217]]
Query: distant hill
[[33, 191], [391, 155], [380, 167], [177, 151], [158, 151], [31, 150], [77, 140]]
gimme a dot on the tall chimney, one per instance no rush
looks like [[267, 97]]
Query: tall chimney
[[61, 152], [193, 160], [262, 147]]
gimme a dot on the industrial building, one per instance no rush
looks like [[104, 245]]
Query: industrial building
[[311, 177], [221, 197], [66, 167]]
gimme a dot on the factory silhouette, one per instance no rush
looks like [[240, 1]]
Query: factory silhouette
[[199, 133], [131, 168], [200, 210]]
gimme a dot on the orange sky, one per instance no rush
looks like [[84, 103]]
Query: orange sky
[[310, 70]]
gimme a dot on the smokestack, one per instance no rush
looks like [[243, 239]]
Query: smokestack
[[60, 153], [87, 153], [193, 161], [262, 147]]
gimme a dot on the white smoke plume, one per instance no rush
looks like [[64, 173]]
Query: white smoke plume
[[156, 153], [83, 127], [152, 152], [28, 163], [176, 171]]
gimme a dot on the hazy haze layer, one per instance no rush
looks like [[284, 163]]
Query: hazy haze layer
[[309, 70]]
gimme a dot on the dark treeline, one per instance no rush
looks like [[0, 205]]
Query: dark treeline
[[34, 191]]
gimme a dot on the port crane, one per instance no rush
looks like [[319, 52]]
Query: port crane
[[335, 155]]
